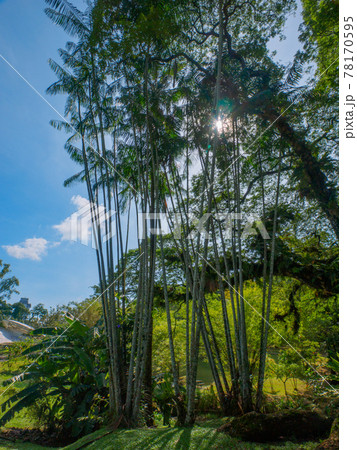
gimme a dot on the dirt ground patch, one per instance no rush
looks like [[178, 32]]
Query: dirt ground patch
[[35, 436]]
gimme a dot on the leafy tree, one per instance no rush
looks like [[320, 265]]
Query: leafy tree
[[319, 33], [7, 284], [38, 315], [151, 86], [5, 309], [20, 312]]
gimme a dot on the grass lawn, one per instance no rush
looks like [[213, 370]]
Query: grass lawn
[[276, 387], [203, 435], [272, 386], [21, 446]]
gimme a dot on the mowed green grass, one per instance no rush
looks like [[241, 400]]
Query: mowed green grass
[[5, 445], [203, 435], [275, 386], [271, 385]]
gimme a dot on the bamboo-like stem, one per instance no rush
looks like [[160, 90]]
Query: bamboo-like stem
[[265, 330]]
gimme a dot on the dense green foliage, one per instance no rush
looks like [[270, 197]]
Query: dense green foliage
[[8, 287], [67, 388]]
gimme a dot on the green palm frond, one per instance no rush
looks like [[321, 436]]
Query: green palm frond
[[61, 125], [77, 327], [67, 16], [21, 377], [78, 177], [22, 399], [42, 346], [48, 331], [294, 74]]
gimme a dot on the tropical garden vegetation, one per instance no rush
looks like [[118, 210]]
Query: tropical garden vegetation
[[223, 162]]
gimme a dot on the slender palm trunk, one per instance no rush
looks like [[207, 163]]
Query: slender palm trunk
[[265, 329]]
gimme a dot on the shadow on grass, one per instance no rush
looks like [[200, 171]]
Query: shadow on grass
[[195, 438], [178, 438], [160, 438], [185, 438]]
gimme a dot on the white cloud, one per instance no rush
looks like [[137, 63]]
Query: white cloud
[[33, 248], [77, 227], [64, 228], [80, 202], [68, 227]]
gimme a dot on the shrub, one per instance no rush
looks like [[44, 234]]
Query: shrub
[[164, 396], [207, 400], [67, 391]]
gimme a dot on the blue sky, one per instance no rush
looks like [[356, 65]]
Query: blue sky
[[34, 164]]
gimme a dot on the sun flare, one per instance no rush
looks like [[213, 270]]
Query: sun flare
[[219, 125]]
